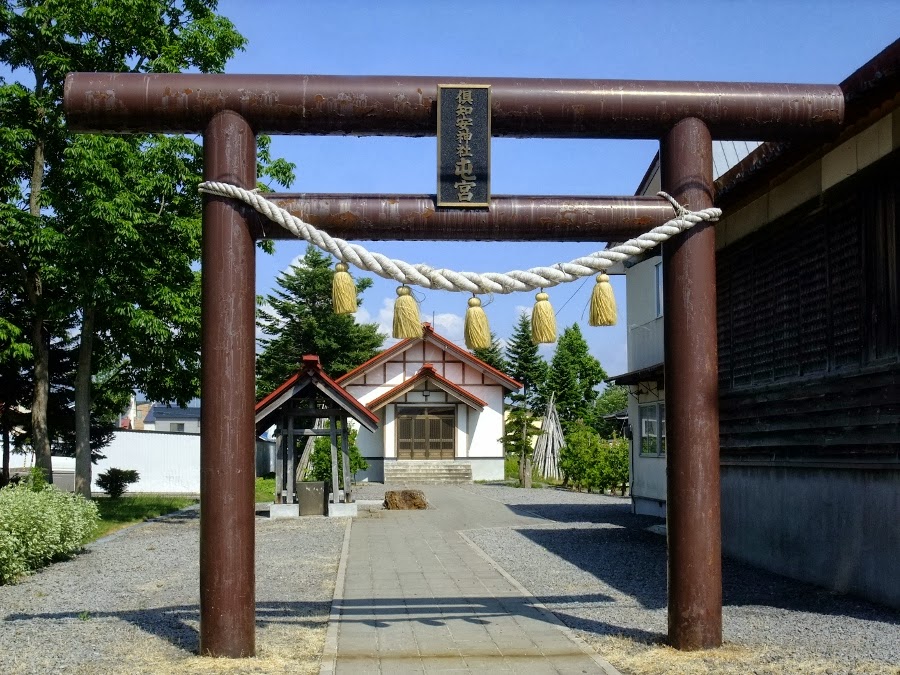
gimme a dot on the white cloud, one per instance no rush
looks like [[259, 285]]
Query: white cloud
[[447, 324], [296, 262], [450, 326], [522, 309], [384, 319]]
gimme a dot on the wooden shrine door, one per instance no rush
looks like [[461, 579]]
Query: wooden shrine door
[[426, 432]]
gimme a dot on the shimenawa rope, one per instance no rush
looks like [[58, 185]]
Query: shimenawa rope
[[468, 282], [477, 332]]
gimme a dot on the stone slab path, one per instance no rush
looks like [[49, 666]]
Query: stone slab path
[[418, 597]]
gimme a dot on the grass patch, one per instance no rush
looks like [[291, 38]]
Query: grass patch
[[265, 489], [124, 511], [640, 658], [511, 467]]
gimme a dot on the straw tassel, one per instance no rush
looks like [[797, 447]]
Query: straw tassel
[[477, 332], [543, 320], [406, 315], [603, 303], [343, 291]]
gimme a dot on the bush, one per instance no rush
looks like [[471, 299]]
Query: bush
[[616, 461], [320, 460], [39, 526], [579, 455], [114, 481], [592, 463], [36, 480]]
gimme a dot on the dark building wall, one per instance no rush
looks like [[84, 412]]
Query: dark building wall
[[809, 365], [832, 527]]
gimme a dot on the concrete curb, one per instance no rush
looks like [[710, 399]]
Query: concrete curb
[[550, 617], [328, 663]]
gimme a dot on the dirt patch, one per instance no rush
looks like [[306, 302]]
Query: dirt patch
[[638, 658]]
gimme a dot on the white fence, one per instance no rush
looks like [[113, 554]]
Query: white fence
[[165, 462]]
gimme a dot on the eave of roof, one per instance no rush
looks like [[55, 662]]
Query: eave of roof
[[428, 373], [655, 373], [176, 413], [311, 371], [429, 335], [870, 92], [397, 348]]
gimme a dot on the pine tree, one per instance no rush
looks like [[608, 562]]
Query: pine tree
[[519, 430], [574, 374], [493, 355], [524, 362], [299, 320]]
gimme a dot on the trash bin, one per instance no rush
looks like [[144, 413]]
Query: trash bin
[[313, 498]]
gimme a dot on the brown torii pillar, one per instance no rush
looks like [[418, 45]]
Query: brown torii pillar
[[693, 524], [230, 109], [227, 381]]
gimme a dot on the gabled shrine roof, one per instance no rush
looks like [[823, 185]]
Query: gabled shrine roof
[[439, 341], [311, 373], [427, 373]]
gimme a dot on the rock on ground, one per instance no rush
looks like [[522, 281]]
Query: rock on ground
[[404, 500]]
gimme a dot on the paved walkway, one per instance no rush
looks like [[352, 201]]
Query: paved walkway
[[418, 597]]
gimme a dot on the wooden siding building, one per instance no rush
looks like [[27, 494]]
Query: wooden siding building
[[808, 277]]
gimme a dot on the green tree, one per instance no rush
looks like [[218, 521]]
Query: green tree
[[613, 399], [15, 355], [616, 465], [299, 320], [320, 460], [592, 463], [492, 355], [519, 430], [574, 376], [579, 456], [524, 362], [103, 232]]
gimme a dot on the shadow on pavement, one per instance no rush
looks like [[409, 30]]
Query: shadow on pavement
[[601, 552], [172, 623], [175, 624]]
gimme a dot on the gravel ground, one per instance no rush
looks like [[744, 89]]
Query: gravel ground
[[604, 575], [129, 603], [369, 490]]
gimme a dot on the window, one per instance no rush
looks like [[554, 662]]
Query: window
[[176, 426], [659, 289], [653, 429]]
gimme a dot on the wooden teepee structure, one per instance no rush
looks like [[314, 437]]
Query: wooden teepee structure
[[549, 443]]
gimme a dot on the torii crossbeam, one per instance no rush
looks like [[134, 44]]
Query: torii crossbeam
[[229, 110]]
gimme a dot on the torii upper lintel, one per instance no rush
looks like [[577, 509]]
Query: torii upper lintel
[[406, 106]]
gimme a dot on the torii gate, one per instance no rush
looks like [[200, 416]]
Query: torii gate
[[231, 109]]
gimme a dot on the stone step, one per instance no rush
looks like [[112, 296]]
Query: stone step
[[419, 467], [427, 472], [419, 481], [435, 463], [436, 470]]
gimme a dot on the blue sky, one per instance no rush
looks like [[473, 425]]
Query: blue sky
[[787, 41], [818, 42]]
